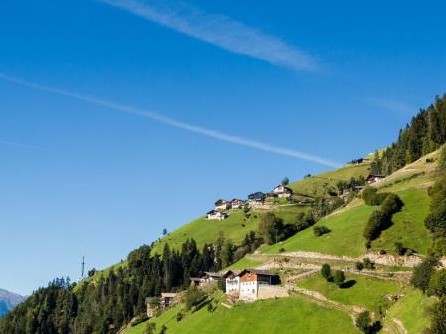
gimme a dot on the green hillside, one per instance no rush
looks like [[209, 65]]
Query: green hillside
[[236, 226], [317, 185], [290, 315], [344, 239]]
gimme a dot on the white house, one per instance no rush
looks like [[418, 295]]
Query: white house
[[206, 278], [222, 204], [256, 198], [252, 284], [237, 203], [216, 215], [232, 281], [373, 178], [282, 191]]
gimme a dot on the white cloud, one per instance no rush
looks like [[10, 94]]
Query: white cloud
[[219, 30], [175, 123]]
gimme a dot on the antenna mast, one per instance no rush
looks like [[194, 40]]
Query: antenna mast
[[83, 267]]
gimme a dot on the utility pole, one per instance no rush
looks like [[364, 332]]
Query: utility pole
[[83, 267]]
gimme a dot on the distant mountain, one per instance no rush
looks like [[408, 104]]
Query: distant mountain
[[8, 301]]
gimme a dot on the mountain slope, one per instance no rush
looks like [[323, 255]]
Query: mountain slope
[[8, 301]]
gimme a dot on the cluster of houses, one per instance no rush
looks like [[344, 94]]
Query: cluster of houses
[[247, 285], [254, 200]]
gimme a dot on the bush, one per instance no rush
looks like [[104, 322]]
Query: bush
[[392, 204], [320, 230], [438, 320], [180, 316], [359, 266], [437, 283], [338, 277], [399, 248], [368, 264], [372, 197], [326, 271], [377, 222], [363, 322], [368, 193], [150, 328], [422, 274], [193, 297]]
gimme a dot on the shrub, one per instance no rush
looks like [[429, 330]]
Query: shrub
[[377, 222], [326, 271], [363, 322], [150, 328], [180, 316], [438, 320], [193, 297], [338, 277], [392, 204], [422, 273], [368, 264], [359, 266], [399, 249], [437, 283], [368, 193], [320, 230]]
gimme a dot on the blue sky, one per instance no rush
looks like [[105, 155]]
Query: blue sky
[[119, 118]]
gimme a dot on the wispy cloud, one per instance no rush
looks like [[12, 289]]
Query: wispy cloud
[[392, 105], [26, 146], [175, 123], [219, 30]]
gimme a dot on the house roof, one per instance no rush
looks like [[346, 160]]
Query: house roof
[[220, 202], [212, 212], [257, 195], [285, 188], [168, 294], [375, 175], [212, 274], [236, 200], [257, 272], [229, 273]]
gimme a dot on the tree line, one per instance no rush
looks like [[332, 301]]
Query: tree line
[[429, 277], [425, 134], [108, 300]]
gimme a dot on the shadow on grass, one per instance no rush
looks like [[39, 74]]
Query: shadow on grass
[[348, 284], [202, 304]]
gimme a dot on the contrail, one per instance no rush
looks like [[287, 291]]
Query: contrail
[[32, 147], [219, 30], [174, 123]]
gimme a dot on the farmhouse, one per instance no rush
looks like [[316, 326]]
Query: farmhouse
[[222, 204], [216, 215], [282, 191], [232, 281], [252, 284], [256, 198], [156, 304], [373, 178], [206, 278], [237, 203]]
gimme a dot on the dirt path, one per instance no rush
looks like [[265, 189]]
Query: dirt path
[[385, 259], [394, 326]]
